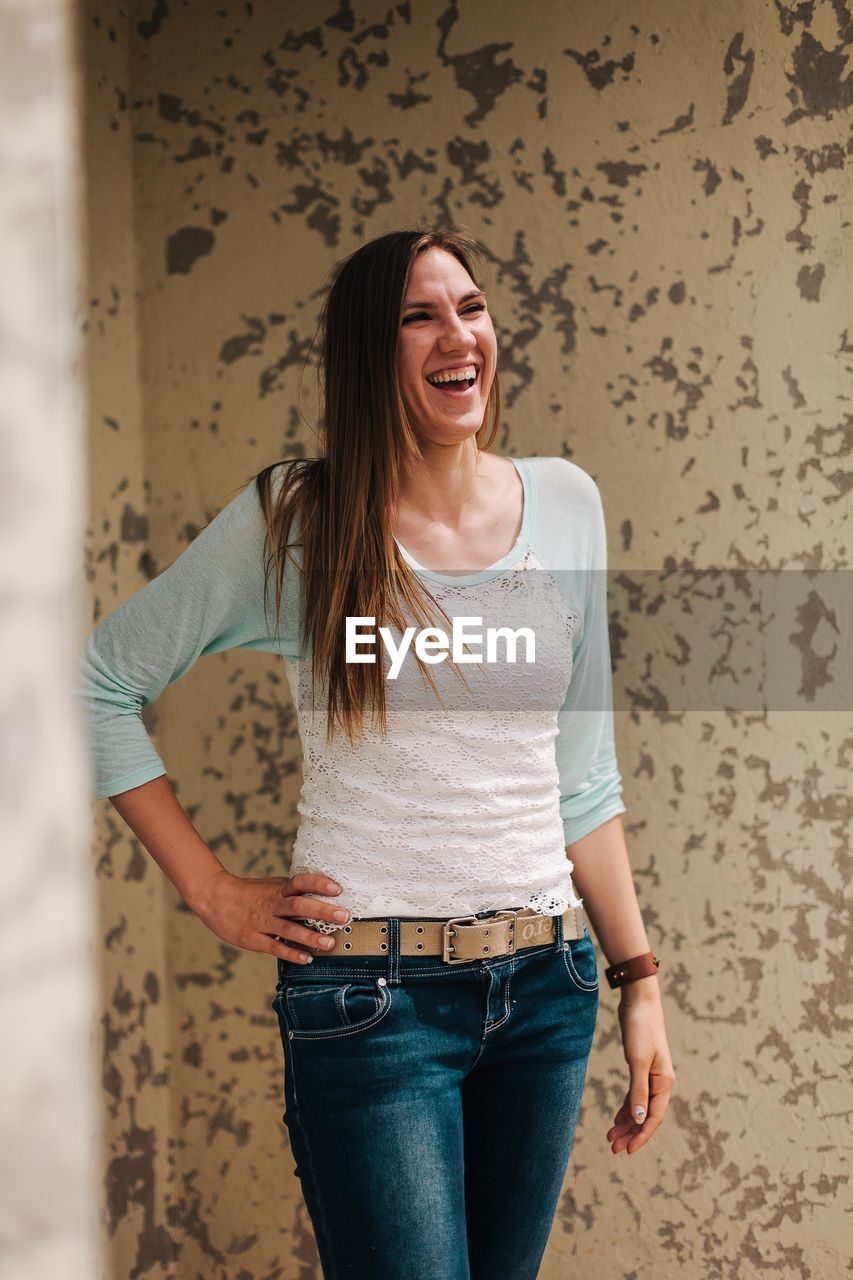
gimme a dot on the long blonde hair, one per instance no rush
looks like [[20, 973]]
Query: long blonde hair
[[345, 501]]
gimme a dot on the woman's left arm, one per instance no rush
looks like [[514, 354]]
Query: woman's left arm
[[602, 877]]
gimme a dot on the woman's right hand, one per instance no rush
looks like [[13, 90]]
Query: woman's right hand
[[257, 912]]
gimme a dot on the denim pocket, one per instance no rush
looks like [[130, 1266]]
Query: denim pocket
[[581, 966], [327, 1009]]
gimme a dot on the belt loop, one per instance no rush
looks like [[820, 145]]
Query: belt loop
[[558, 931], [394, 952]]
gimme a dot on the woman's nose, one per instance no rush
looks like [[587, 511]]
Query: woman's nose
[[457, 331]]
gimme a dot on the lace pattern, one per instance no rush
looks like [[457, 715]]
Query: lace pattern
[[456, 811]]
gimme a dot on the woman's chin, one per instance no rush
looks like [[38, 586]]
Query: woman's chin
[[462, 417]]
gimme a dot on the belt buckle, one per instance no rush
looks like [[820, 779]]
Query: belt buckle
[[445, 937]]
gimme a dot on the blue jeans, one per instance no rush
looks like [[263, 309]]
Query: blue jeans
[[431, 1108]]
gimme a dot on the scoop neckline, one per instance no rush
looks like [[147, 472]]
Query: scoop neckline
[[515, 552]]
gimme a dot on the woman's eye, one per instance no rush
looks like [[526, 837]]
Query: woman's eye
[[421, 315]]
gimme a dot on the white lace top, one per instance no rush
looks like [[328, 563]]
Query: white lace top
[[467, 804]]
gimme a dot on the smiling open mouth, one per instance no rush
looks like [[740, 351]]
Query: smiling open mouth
[[455, 388]]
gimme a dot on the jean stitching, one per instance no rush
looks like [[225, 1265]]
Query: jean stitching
[[296, 992], [455, 970], [575, 977], [485, 973], [493, 1026], [290, 1067], [296, 1034]]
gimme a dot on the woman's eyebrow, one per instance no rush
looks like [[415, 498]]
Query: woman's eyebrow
[[475, 293]]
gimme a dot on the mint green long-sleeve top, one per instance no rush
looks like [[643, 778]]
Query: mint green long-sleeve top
[[463, 806]]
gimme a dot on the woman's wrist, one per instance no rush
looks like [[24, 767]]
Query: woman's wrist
[[640, 990]]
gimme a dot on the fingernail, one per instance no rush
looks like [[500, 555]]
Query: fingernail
[[331, 887], [640, 1113], [341, 915]]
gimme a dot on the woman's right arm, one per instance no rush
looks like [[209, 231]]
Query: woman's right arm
[[247, 912], [158, 819], [208, 600]]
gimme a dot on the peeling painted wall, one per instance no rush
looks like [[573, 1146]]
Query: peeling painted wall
[[663, 193]]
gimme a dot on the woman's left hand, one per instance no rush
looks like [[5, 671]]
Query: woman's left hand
[[648, 1057]]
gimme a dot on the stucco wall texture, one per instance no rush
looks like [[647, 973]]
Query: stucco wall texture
[[663, 194]]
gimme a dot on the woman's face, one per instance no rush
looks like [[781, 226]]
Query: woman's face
[[445, 330]]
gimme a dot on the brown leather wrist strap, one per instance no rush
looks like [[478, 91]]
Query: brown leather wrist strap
[[630, 970]]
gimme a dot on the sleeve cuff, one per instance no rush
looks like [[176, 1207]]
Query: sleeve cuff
[[115, 786], [576, 828]]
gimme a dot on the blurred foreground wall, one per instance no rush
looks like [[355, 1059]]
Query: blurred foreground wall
[[50, 1185]]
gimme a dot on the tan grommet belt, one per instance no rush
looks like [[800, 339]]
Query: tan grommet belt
[[464, 938]]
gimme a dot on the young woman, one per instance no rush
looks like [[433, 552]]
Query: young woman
[[437, 986]]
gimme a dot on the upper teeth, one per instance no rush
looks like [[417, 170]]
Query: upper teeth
[[454, 375]]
